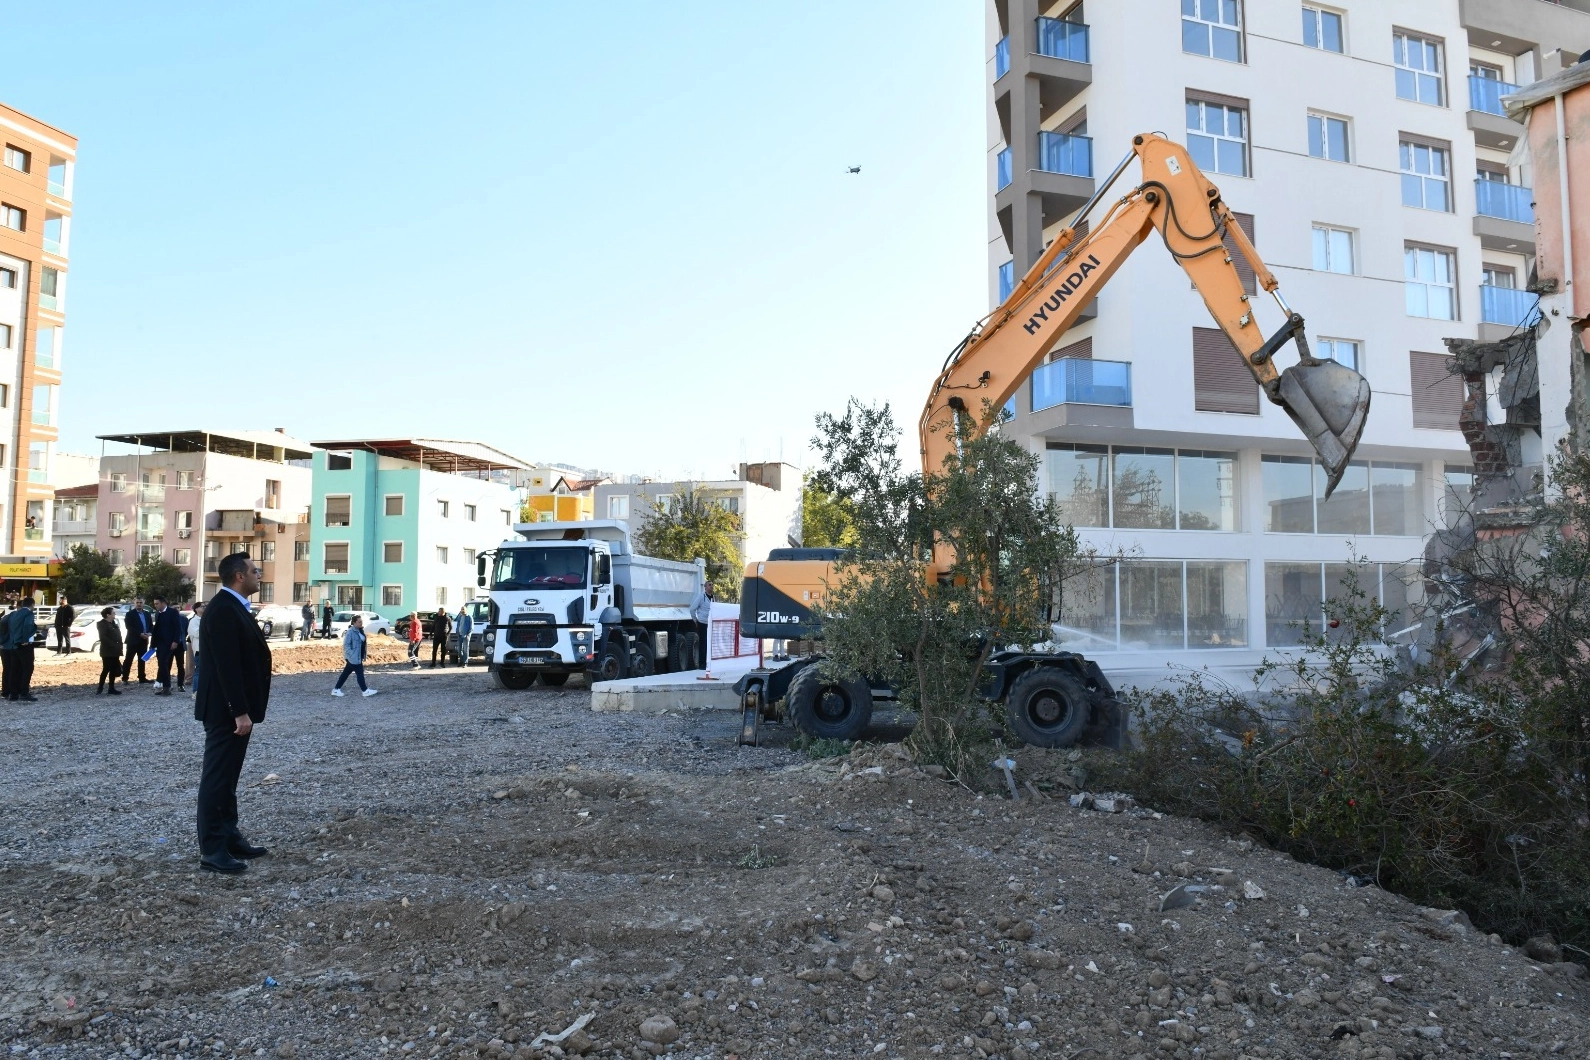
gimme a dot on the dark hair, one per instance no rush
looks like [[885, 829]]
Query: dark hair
[[157, 598], [198, 605], [107, 612], [233, 567]]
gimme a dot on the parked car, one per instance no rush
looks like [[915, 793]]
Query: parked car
[[400, 628], [274, 619], [373, 623], [85, 627]]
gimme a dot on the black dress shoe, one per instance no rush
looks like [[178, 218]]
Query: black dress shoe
[[242, 848], [223, 863]]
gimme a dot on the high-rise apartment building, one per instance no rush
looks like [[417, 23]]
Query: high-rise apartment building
[[1363, 146], [36, 172]]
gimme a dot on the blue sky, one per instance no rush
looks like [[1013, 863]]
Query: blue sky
[[615, 239]]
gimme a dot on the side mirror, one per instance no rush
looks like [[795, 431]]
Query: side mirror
[[480, 571], [604, 569]]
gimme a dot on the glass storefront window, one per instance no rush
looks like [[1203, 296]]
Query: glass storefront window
[[1292, 602], [1297, 597], [1145, 488], [1288, 494], [1347, 511], [1087, 611], [1217, 605], [1206, 496], [1396, 499], [1079, 481], [1152, 615]]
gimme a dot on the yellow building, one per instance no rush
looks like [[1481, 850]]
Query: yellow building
[[555, 497]]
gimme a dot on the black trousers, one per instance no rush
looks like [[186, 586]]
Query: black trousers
[[223, 764], [182, 665], [439, 648], [8, 670], [163, 656], [21, 673], [109, 667], [137, 644], [702, 647], [63, 640]]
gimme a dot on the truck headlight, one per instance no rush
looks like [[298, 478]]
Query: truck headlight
[[491, 636], [580, 636]]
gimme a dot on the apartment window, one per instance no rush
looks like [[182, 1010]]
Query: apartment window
[[118, 482], [182, 557], [443, 508], [184, 480], [392, 552], [1298, 596], [148, 551], [441, 553], [729, 504], [468, 593], [42, 396], [1430, 282], [300, 592], [5, 401], [469, 512], [1420, 68], [1007, 280], [441, 596], [245, 548], [267, 592], [1322, 29], [335, 557], [13, 217], [1133, 487], [273, 493], [267, 552], [469, 557], [507, 517], [1426, 175], [1221, 380], [1498, 276], [394, 504], [351, 597], [118, 521], [54, 233], [300, 550], [1217, 134], [1437, 393], [1212, 28], [46, 347], [1144, 604], [18, 159], [5, 336], [1342, 351], [117, 556], [339, 462], [49, 288], [1327, 138], [339, 510], [1373, 497], [391, 596], [618, 506], [1333, 249], [185, 520], [8, 278], [39, 462]]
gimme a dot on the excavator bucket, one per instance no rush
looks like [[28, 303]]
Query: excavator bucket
[[1330, 403]]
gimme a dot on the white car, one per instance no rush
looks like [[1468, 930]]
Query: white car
[[85, 630], [373, 623]]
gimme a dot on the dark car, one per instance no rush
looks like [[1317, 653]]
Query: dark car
[[400, 628]]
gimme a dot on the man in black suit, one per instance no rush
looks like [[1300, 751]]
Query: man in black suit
[[169, 636], [137, 623], [233, 688]]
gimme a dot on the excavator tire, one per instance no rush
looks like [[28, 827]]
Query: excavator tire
[[826, 709], [1047, 708]]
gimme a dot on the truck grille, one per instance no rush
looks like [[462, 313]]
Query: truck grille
[[532, 631]]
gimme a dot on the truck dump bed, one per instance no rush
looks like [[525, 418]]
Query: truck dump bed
[[655, 590]]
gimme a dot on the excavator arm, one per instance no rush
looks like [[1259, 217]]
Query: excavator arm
[[1328, 401]]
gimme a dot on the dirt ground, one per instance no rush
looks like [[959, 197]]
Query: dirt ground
[[455, 870]]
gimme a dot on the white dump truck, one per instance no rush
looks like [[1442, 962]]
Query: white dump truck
[[574, 597]]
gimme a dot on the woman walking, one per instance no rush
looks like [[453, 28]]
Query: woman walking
[[109, 649], [416, 632], [353, 652]]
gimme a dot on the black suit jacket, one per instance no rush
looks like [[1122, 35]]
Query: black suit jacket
[[131, 621], [236, 675], [168, 628]]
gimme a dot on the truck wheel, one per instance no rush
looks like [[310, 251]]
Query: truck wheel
[[678, 661], [689, 646], [613, 663], [515, 680], [1047, 708], [554, 680], [643, 660], [833, 710]]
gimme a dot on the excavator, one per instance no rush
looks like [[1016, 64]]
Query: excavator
[[1053, 698]]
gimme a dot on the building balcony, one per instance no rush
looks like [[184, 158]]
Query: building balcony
[[73, 527], [1065, 154], [1002, 169], [1057, 39], [1504, 310], [1504, 217], [33, 533], [1082, 381], [38, 474], [151, 535], [1486, 119], [1060, 63]]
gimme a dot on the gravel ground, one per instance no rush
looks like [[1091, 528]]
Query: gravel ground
[[455, 870]]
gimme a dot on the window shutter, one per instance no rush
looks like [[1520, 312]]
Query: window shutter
[[1221, 382], [1437, 393], [1082, 350], [1250, 283]]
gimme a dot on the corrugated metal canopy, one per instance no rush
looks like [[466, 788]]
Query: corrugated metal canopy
[[255, 445], [438, 454]]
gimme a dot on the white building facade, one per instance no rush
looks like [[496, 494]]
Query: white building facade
[[1362, 146], [766, 497]]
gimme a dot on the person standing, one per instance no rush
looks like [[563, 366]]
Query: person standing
[[109, 650], [441, 629], [193, 644], [137, 624], [169, 636], [325, 619], [307, 628], [8, 657], [354, 645], [20, 629], [230, 699], [463, 626], [701, 612], [416, 633], [63, 627]]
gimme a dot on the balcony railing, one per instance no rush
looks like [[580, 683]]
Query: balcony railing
[[72, 527], [33, 533], [38, 474], [1065, 153], [56, 188], [48, 301], [1003, 166], [1082, 381], [1508, 306], [1485, 94], [1001, 58], [1510, 202], [1063, 40], [151, 535], [212, 564], [52, 246]]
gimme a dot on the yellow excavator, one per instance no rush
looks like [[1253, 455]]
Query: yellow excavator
[[1051, 698]]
